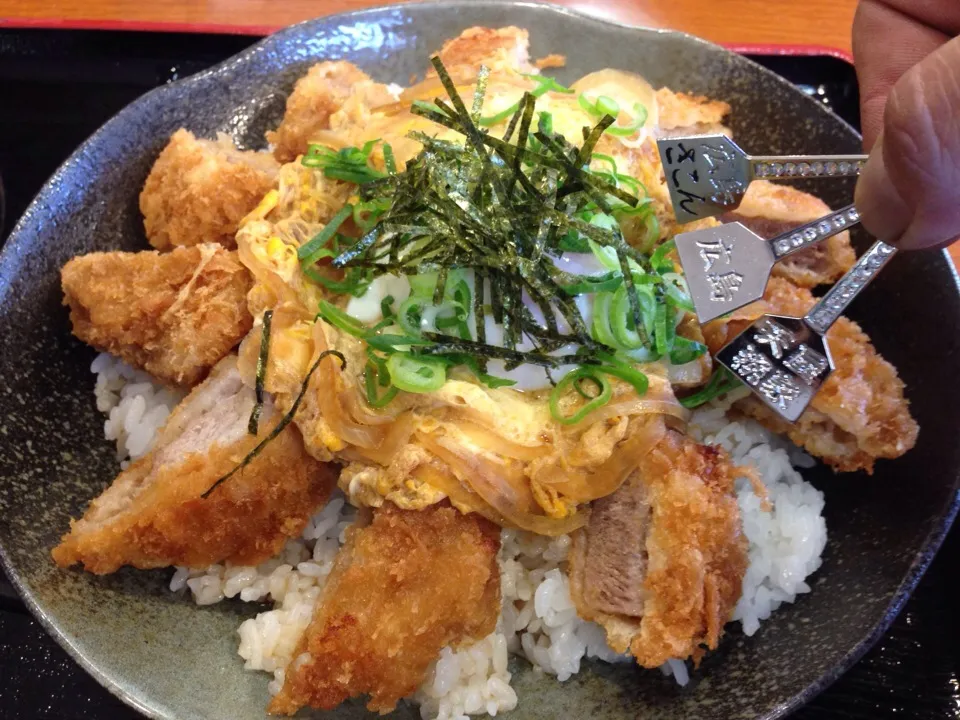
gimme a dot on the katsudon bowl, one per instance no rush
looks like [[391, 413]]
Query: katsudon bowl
[[169, 659]]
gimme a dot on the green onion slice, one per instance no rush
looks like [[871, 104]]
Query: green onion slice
[[367, 214], [374, 375], [388, 159], [410, 314], [416, 374], [622, 321], [578, 386], [604, 105], [609, 160], [580, 373], [600, 329], [686, 350], [628, 374], [355, 283], [588, 284], [323, 237], [722, 381], [385, 342], [340, 320], [639, 118], [349, 164], [659, 258], [545, 84]]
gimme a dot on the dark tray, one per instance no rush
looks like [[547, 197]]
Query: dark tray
[[59, 86]]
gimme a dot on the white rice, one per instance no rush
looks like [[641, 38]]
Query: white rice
[[538, 620], [135, 404], [785, 542]]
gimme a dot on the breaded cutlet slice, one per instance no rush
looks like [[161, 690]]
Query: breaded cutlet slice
[[500, 49], [680, 113], [403, 587], [860, 413], [316, 97], [153, 514], [174, 315], [199, 190], [770, 209], [661, 561]]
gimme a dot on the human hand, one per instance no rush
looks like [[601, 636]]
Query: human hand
[[908, 64]]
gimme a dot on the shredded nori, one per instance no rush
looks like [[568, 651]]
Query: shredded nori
[[504, 209], [253, 425], [284, 421]]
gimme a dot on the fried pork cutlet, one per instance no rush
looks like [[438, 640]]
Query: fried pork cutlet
[[770, 209], [317, 96], [661, 562], [199, 190], [685, 114], [403, 587], [174, 315], [501, 49], [859, 414], [153, 514]]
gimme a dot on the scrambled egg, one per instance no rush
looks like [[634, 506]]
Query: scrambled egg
[[495, 425]]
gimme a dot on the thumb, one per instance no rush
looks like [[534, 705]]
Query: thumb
[[909, 191]]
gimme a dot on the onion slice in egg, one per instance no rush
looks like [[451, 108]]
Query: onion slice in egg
[[506, 493], [583, 486]]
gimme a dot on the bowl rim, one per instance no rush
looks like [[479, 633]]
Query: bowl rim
[[8, 255]]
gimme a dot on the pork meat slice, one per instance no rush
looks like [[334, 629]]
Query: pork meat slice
[[153, 514], [661, 562]]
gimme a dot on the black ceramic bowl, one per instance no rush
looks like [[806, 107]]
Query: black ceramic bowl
[[175, 661]]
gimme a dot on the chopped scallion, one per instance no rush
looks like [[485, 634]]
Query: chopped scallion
[[323, 237], [416, 374], [349, 164], [685, 350], [389, 161], [722, 381], [372, 378], [601, 399]]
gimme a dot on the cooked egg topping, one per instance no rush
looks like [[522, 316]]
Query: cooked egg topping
[[501, 318]]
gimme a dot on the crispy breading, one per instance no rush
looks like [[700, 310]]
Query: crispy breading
[[671, 538], [696, 552], [553, 60], [174, 315], [317, 96], [199, 190], [500, 49], [153, 514], [860, 414], [402, 588], [686, 114], [770, 209]]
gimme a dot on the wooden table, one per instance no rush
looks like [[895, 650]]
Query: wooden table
[[731, 22], [748, 25]]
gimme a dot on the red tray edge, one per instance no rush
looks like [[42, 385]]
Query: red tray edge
[[229, 29], [136, 26], [789, 49]]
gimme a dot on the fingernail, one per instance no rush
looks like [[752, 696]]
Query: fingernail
[[883, 212]]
